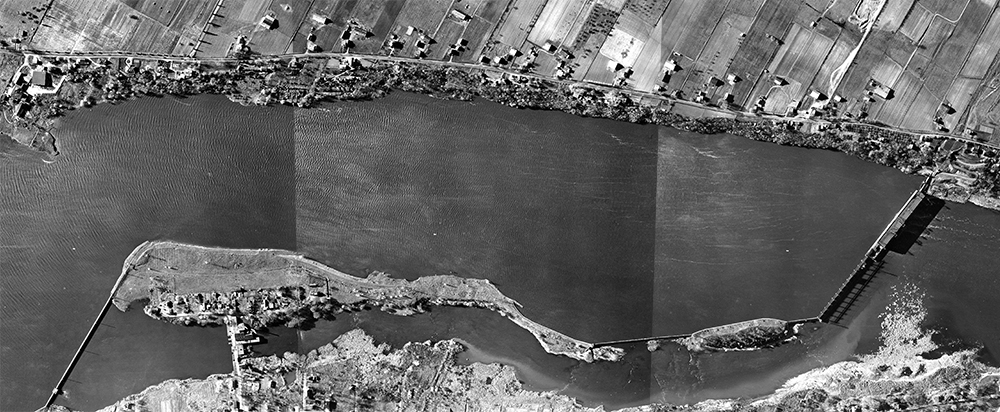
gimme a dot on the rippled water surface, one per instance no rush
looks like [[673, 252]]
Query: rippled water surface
[[600, 229]]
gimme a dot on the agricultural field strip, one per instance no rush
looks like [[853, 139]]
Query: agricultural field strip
[[985, 50]]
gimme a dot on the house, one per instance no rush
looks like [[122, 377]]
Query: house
[[459, 15], [268, 22], [883, 92], [409, 30], [484, 59], [671, 66], [321, 19], [41, 78], [614, 66], [732, 78], [779, 81], [21, 109], [817, 95], [714, 81], [549, 47]]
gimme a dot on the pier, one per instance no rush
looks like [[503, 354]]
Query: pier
[[902, 232]]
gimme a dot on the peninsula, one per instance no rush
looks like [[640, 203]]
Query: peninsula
[[188, 284]]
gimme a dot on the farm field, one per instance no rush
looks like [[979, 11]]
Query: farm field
[[924, 51], [985, 50]]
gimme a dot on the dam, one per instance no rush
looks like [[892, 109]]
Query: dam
[[902, 232]]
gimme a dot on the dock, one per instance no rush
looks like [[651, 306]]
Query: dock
[[902, 232]]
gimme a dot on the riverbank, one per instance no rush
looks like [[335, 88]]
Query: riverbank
[[969, 171], [195, 285], [354, 371]]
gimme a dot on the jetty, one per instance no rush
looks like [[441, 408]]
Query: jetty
[[902, 232]]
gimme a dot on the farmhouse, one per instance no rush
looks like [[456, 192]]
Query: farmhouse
[[268, 22], [41, 78]]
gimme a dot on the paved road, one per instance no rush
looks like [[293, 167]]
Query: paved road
[[715, 111]]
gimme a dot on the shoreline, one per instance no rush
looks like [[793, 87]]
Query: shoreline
[[272, 286], [969, 171]]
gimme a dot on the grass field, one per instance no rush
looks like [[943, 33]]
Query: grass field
[[599, 72], [648, 70], [838, 54], [920, 114], [649, 11], [893, 111], [810, 50], [13, 24], [893, 14], [236, 17], [840, 9], [958, 96], [775, 18], [780, 97], [956, 49], [448, 34], [492, 9], [949, 9], [985, 50], [622, 47], [986, 110], [476, 33], [938, 80], [516, 24], [632, 24], [916, 24], [699, 29], [557, 20], [887, 72], [102, 25], [424, 15], [937, 32]]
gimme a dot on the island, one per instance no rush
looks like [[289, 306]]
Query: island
[[355, 373], [196, 285]]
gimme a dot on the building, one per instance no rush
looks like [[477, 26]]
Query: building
[[817, 95], [549, 47], [880, 90], [409, 30], [732, 78], [883, 92], [459, 15], [780, 81], [321, 19], [268, 22], [671, 66], [41, 78], [21, 109]]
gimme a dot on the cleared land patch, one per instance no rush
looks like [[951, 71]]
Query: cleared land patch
[[985, 50]]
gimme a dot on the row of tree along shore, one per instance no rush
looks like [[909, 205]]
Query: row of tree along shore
[[968, 170]]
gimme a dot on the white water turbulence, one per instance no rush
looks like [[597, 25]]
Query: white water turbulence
[[901, 373]]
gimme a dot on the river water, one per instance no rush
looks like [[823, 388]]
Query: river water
[[602, 230]]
